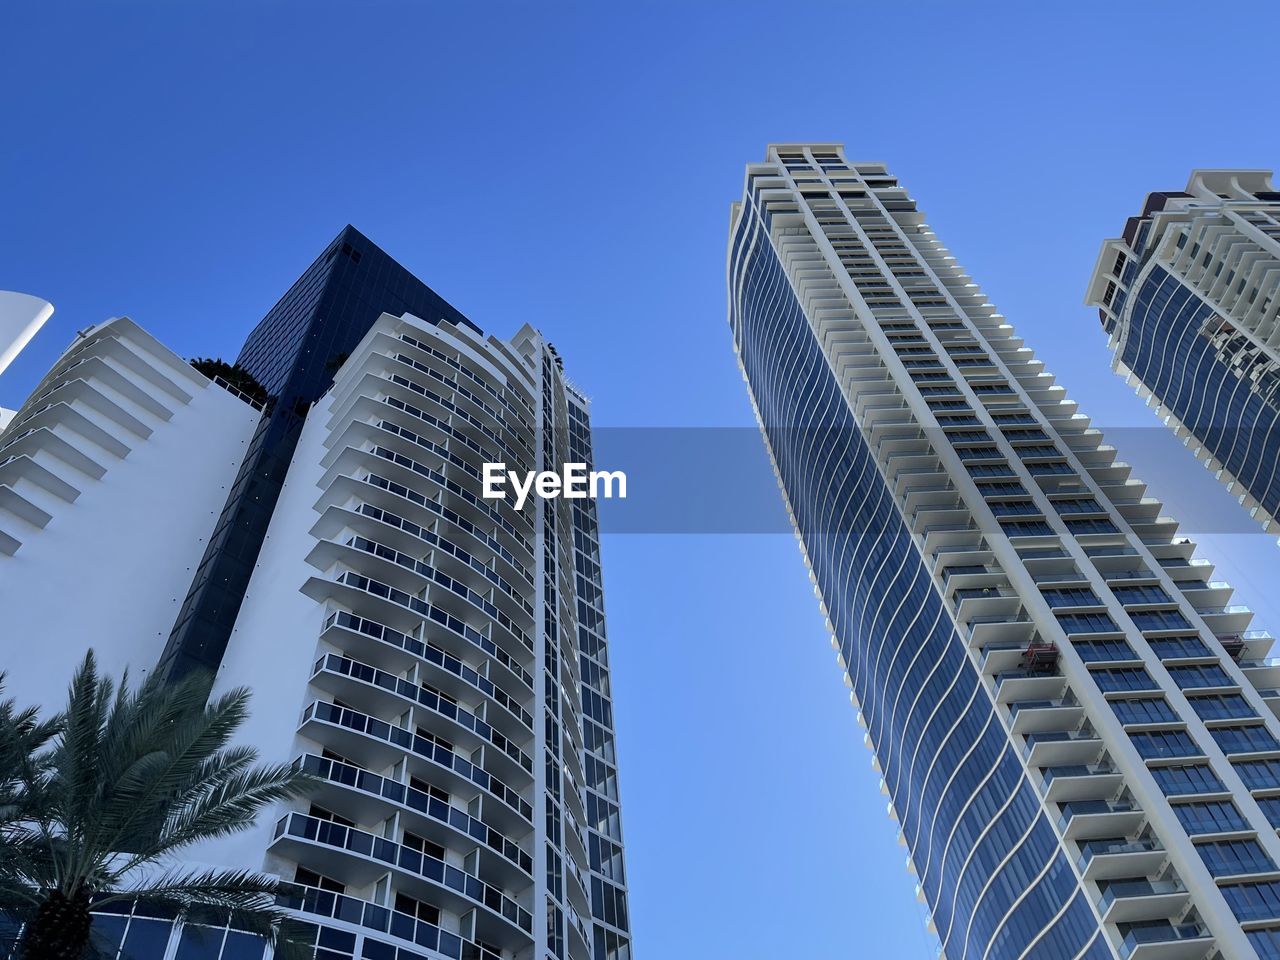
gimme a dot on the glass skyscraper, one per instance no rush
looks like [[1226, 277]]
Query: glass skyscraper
[[1075, 728], [293, 353], [1189, 295]]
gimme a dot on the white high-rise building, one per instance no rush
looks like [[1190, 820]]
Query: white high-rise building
[[436, 658], [1076, 729]]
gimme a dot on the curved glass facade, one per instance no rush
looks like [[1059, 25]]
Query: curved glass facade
[[991, 868], [1210, 376], [1059, 699]]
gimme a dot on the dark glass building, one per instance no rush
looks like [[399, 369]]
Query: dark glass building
[[293, 353]]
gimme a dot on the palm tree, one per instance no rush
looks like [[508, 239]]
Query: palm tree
[[131, 779], [22, 739]]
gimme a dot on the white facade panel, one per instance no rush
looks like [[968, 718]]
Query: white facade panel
[[111, 477]]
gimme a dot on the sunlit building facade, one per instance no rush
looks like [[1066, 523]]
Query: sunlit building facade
[[1075, 729], [438, 660], [1189, 295]]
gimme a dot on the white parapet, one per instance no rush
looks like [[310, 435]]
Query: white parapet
[[21, 317]]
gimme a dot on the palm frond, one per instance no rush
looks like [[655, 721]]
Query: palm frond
[[230, 805], [122, 779]]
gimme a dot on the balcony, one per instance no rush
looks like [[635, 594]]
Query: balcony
[[1130, 901], [355, 734], [1043, 716], [1079, 782], [334, 848], [972, 602], [1061, 748], [1000, 658], [1098, 819], [1162, 940], [1018, 685], [1110, 859], [370, 798], [1262, 673], [1232, 618], [373, 917], [999, 628]]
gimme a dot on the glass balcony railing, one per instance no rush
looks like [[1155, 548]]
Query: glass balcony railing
[[425, 804], [1019, 706], [1100, 848], [1075, 808], [1071, 771], [371, 916], [1137, 935], [1114, 890], [405, 858]]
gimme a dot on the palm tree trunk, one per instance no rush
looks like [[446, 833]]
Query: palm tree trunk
[[59, 930]]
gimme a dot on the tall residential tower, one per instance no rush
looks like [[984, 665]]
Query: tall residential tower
[[1076, 733], [1190, 298], [437, 659]]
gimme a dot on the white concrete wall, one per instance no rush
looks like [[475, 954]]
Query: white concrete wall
[[110, 568], [273, 644]]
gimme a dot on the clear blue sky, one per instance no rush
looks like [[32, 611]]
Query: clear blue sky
[[571, 166]]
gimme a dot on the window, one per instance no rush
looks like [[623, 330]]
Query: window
[[1155, 710], [416, 908], [320, 813], [1099, 525], [1015, 508], [1254, 901], [990, 470], [309, 878], [1026, 528], [1226, 858], [1266, 943], [430, 789], [1078, 505], [1188, 778], [1031, 433], [980, 453], [1123, 678], [1259, 774], [423, 845], [1271, 808], [1245, 739], [426, 734], [1162, 744], [1050, 468], [1141, 594], [1200, 676], [1210, 816], [1087, 623], [1171, 648], [1001, 489], [1071, 597], [1160, 620], [1224, 706], [1101, 651]]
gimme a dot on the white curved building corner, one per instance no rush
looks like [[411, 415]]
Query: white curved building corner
[[21, 317]]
